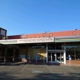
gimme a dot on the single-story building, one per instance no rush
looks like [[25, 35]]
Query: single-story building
[[55, 47]]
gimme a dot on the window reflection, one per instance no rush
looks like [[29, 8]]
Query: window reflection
[[56, 46], [37, 50], [74, 51], [51, 46], [35, 47]]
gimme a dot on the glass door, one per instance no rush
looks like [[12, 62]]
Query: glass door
[[51, 56], [56, 57], [60, 57]]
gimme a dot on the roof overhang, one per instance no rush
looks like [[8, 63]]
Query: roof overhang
[[41, 40], [68, 39], [28, 40]]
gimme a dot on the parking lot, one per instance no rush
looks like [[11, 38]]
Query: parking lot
[[38, 72]]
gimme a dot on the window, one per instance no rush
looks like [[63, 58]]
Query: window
[[55, 46], [73, 50], [2, 32], [58, 46], [51, 46]]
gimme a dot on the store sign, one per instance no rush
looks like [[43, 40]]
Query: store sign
[[76, 32], [36, 40], [24, 36], [46, 34], [11, 41]]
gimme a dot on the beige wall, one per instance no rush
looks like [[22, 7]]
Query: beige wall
[[33, 52], [43, 53]]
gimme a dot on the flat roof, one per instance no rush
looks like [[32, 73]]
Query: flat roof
[[71, 33]]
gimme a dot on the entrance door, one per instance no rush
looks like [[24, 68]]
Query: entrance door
[[56, 57], [60, 57], [51, 56]]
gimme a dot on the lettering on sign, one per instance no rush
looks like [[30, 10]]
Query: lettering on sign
[[76, 32], [46, 34], [24, 36], [35, 40]]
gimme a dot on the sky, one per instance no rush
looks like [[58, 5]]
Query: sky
[[38, 16]]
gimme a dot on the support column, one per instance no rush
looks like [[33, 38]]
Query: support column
[[55, 56], [64, 54], [46, 53], [5, 55], [26, 51], [13, 55], [60, 57], [51, 57]]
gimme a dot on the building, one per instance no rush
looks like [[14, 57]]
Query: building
[[52, 47]]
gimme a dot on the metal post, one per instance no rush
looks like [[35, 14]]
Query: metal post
[[64, 54], [5, 55], [13, 55], [36, 61], [46, 53], [43, 60], [51, 58], [29, 59], [55, 56], [60, 57]]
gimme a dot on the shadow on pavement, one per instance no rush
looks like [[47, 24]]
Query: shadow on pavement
[[11, 76], [23, 63]]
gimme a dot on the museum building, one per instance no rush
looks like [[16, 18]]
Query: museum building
[[50, 47]]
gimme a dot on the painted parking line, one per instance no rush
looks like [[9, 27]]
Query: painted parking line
[[71, 69], [37, 71], [49, 69], [24, 68], [66, 68]]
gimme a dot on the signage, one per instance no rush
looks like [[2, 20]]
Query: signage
[[77, 32], [9, 41], [22, 56], [46, 34], [24, 36], [36, 40]]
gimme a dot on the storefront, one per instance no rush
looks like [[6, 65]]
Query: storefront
[[48, 48], [44, 51]]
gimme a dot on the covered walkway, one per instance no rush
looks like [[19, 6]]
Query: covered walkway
[[8, 53]]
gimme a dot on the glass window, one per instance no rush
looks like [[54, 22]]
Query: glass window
[[55, 46], [51, 46], [35, 47], [42, 46], [74, 51], [58, 46], [2, 32]]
